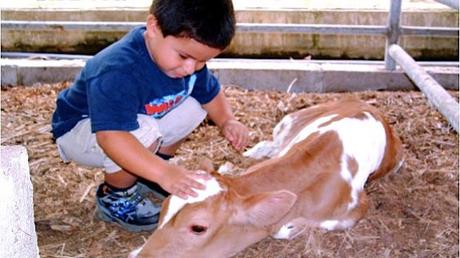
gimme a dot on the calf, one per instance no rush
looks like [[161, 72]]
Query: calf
[[319, 161]]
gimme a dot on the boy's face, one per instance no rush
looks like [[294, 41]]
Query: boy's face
[[177, 57]]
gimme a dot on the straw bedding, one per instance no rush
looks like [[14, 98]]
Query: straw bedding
[[413, 213]]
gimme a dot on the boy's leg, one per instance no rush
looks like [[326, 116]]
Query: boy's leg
[[179, 123], [130, 209], [123, 178], [118, 198], [80, 145]]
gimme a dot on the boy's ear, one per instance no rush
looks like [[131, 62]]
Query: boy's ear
[[152, 26]]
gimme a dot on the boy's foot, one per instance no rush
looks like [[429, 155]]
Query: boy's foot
[[128, 208], [145, 186]]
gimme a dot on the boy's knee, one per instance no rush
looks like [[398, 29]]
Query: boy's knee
[[181, 121], [195, 111], [148, 133]]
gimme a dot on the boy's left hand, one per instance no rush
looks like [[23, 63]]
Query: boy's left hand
[[236, 133]]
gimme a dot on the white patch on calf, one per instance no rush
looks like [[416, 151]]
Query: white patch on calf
[[135, 253], [284, 232], [268, 149], [306, 131], [263, 149], [337, 224], [329, 224], [344, 172], [282, 129], [176, 203], [397, 167], [364, 140], [226, 168]]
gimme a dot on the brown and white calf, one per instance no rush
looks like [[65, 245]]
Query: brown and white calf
[[319, 161]]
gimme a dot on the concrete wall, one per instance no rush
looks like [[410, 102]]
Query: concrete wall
[[18, 238], [274, 45], [304, 75]]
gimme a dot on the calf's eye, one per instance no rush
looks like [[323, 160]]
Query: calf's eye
[[198, 229]]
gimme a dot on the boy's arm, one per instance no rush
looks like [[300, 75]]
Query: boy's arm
[[219, 109], [220, 112], [125, 150]]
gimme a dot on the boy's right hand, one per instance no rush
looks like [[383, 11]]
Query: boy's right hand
[[181, 182]]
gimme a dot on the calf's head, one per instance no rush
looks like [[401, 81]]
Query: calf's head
[[217, 226]]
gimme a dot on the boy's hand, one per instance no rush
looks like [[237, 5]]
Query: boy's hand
[[236, 133], [181, 182]]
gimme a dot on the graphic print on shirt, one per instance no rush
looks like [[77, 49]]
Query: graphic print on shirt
[[161, 106]]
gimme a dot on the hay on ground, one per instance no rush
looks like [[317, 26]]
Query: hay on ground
[[413, 213]]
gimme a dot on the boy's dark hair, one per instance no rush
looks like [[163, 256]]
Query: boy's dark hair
[[210, 22]]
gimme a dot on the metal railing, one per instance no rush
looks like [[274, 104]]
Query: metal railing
[[241, 27], [434, 92]]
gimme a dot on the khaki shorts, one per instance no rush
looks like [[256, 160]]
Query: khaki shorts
[[79, 144]]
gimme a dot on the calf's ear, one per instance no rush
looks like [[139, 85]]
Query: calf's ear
[[267, 208]]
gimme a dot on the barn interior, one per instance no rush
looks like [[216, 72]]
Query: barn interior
[[400, 56]]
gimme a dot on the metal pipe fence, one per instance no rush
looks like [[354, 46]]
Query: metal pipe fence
[[434, 92], [393, 32], [241, 27]]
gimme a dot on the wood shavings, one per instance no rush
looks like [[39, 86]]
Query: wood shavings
[[413, 213]]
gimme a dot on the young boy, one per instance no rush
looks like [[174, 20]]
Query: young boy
[[142, 96]]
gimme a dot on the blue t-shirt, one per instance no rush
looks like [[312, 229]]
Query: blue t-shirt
[[122, 81]]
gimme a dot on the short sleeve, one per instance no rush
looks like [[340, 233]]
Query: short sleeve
[[206, 86], [113, 101]]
